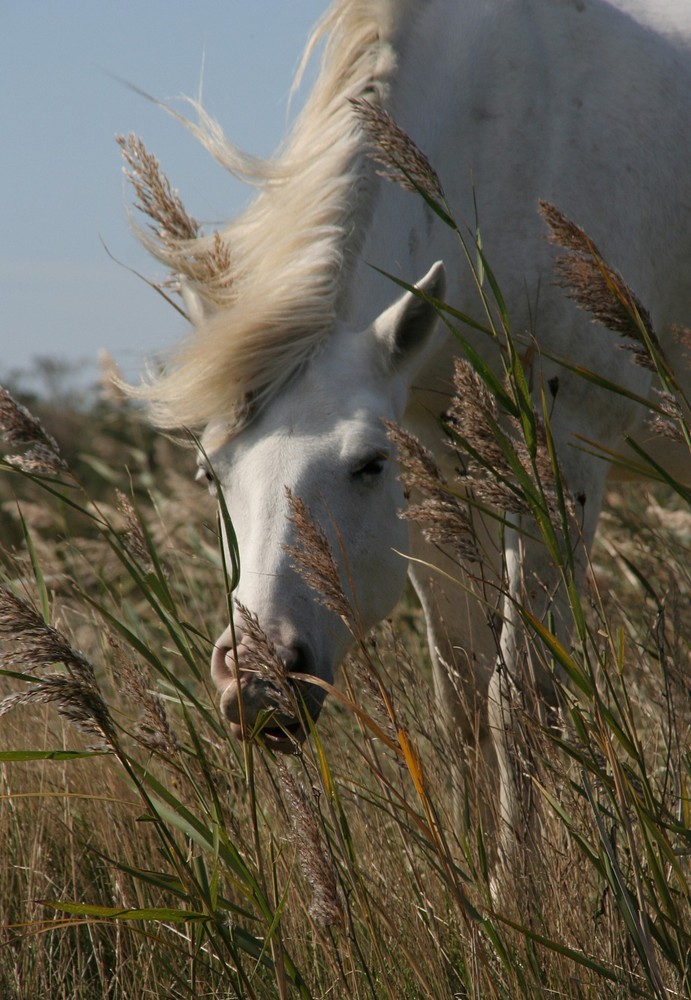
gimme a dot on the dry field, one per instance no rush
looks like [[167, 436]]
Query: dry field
[[146, 855]]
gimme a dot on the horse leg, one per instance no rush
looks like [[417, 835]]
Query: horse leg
[[462, 616], [523, 689]]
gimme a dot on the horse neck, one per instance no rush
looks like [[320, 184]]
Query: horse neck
[[490, 92], [394, 230], [449, 72]]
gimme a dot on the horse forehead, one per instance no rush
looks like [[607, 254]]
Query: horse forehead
[[332, 408], [301, 429], [307, 429], [327, 403]]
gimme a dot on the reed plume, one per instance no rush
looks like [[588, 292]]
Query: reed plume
[[30, 644], [21, 429], [498, 448], [314, 561], [317, 868], [403, 161], [442, 516], [597, 288]]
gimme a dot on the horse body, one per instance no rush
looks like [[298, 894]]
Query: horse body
[[582, 103]]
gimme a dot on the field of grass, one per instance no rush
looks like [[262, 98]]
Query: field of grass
[[147, 855]]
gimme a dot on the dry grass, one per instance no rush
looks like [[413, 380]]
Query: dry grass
[[354, 879], [173, 862]]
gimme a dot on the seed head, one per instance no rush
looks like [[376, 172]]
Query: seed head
[[32, 644], [317, 868], [598, 288], [177, 237], [155, 196], [495, 444], [79, 704], [404, 162], [259, 656], [153, 730], [134, 538], [21, 429], [314, 561], [443, 518], [667, 423]]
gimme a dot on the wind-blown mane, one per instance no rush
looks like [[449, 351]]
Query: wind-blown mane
[[266, 287]]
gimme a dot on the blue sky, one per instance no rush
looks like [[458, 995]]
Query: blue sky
[[62, 195]]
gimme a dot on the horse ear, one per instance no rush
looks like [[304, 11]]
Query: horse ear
[[408, 330]]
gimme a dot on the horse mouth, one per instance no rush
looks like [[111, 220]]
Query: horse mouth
[[284, 736]]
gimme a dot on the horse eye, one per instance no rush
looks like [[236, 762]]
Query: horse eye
[[373, 467], [204, 476]]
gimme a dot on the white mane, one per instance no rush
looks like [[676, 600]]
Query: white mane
[[274, 297]]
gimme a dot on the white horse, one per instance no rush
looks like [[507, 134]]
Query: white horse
[[302, 348]]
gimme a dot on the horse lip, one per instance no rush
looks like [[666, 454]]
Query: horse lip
[[284, 740], [280, 732]]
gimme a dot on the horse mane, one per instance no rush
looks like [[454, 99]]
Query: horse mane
[[264, 290]]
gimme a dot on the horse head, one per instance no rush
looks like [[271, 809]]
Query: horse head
[[323, 440]]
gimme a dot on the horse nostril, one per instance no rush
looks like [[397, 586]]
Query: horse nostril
[[300, 665], [296, 659]]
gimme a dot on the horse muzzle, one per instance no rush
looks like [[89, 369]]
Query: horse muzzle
[[260, 697]]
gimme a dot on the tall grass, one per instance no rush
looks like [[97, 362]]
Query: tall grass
[[168, 860], [147, 854]]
